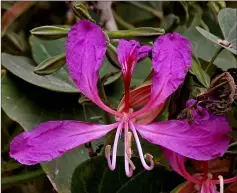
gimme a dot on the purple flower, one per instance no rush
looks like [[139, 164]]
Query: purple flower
[[202, 183], [85, 50]]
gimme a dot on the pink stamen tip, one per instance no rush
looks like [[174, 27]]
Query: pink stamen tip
[[148, 156], [107, 155]]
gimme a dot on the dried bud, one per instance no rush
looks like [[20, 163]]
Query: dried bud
[[220, 95]]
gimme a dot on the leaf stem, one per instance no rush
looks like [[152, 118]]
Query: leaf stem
[[20, 178], [152, 11], [121, 22], [213, 58]]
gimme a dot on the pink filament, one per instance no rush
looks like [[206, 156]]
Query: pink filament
[[128, 169], [226, 181], [112, 164], [147, 167]]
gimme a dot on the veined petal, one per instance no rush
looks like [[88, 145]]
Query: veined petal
[[51, 139], [85, 50], [129, 52], [202, 140], [171, 60]]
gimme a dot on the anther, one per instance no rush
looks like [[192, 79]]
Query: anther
[[148, 156], [197, 187], [209, 176], [131, 164], [107, 150]]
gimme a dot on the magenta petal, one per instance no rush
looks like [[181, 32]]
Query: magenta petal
[[85, 50], [171, 60], [202, 140], [129, 52], [51, 139]]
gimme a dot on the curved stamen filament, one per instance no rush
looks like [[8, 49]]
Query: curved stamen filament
[[226, 181], [127, 152], [147, 167], [112, 164], [221, 184]]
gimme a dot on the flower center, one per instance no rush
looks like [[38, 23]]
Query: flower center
[[125, 124]]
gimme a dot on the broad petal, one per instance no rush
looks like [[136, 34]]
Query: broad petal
[[51, 139], [171, 60], [85, 50], [202, 140], [129, 52]]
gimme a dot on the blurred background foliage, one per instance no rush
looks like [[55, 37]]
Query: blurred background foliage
[[36, 86]]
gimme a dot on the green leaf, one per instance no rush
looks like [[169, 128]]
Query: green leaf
[[45, 51], [17, 40], [136, 32], [24, 68], [50, 65], [94, 176], [50, 32], [205, 50], [112, 55], [215, 39], [141, 72], [131, 13], [228, 23], [158, 180], [29, 106], [185, 187], [148, 9], [200, 74]]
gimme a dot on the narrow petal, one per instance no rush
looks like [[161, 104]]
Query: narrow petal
[[85, 50], [129, 52], [51, 139], [202, 140], [177, 163], [171, 60]]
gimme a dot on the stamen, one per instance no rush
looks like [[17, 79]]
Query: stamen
[[221, 184], [112, 164], [129, 150], [127, 160], [147, 167]]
